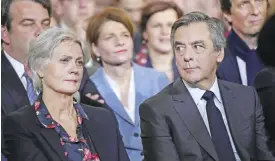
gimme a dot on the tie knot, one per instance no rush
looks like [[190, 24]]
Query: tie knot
[[208, 95]]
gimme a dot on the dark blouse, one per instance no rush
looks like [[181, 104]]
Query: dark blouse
[[76, 149]]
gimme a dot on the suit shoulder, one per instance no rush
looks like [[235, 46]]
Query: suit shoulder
[[265, 78], [23, 116], [237, 87]]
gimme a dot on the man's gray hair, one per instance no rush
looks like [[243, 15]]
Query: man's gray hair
[[41, 51], [215, 26]]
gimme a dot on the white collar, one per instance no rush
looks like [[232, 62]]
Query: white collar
[[17, 66], [197, 93]]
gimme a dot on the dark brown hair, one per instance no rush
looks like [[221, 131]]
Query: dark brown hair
[[156, 7], [5, 10]]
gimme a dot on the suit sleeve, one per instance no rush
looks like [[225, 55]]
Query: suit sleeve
[[263, 147], [157, 141], [266, 94], [19, 144]]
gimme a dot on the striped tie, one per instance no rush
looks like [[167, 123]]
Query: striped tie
[[30, 90]]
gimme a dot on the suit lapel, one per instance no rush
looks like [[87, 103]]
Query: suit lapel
[[52, 137], [233, 114], [109, 96], [13, 84], [189, 113]]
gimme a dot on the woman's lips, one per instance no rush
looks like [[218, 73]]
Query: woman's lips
[[121, 51]]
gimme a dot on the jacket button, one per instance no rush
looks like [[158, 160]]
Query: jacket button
[[141, 153], [136, 134]]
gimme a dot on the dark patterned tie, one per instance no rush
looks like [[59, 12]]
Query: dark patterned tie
[[30, 90], [218, 130]]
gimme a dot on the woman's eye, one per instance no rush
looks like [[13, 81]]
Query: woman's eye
[[64, 60]]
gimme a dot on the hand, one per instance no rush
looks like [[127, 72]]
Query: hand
[[95, 97]]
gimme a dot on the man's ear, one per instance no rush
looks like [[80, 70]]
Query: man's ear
[[220, 55], [5, 35], [227, 17]]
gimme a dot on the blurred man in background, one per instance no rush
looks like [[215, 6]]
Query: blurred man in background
[[133, 8], [241, 64]]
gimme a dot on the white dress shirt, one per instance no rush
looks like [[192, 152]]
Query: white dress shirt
[[19, 69], [131, 94], [242, 70], [197, 94]]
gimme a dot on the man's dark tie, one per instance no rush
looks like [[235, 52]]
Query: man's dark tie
[[218, 130], [30, 90]]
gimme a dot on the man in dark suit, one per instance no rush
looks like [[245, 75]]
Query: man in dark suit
[[199, 117], [241, 64], [21, 22], [265, 79]]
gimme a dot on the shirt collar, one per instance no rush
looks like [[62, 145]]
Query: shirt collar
[[80, 111], [17, 66], [112, 83], [197, 93], [44, 116]]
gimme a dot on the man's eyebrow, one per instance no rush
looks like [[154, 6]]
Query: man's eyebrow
[[178, 43], [197, 42]]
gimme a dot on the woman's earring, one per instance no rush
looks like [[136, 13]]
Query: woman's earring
[[98, 59], [143, 42]]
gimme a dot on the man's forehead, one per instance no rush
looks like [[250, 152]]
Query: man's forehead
[[193, 32], [30, 9]]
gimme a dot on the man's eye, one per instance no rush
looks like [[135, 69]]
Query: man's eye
[[198, 46], [80, 63], [29, 23], [64, 60], [179, 48]]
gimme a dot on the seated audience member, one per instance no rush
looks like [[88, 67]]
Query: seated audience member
[[157, 51], [265, 79], [15, 45], [133, 9], [199, 117], [72, 15], [241, 63], [122, 83], [57, 127]]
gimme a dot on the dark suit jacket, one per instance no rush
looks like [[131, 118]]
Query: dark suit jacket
[[14, 95], [228, 69], [27, 140], [173, 129], [265, 86]]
